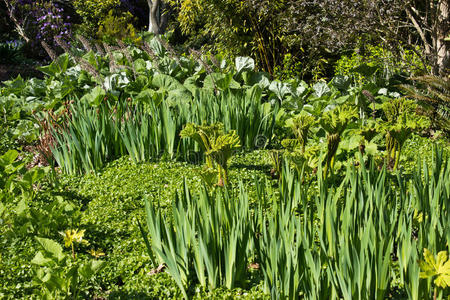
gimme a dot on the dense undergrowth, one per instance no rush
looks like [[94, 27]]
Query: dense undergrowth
[[173, 177]]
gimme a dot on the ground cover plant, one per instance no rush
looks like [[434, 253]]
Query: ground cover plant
[[130, 171]]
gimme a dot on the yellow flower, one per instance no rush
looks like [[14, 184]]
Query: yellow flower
[[96, 253], [72, 236]]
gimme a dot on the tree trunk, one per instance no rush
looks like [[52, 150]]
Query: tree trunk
[[154, 18], [442, 46]]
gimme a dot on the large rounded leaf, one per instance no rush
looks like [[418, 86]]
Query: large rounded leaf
[[166, 82], [321, 88], [220, 81], [244, 64]]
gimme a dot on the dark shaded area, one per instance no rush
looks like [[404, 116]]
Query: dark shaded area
[[8, 72]]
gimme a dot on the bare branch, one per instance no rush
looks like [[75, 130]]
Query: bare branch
[[419, 29]]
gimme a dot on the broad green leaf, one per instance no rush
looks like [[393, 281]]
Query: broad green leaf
[[33, 176], [371, 148], [179, 95], [443, 281], [58, 66], [51, 247], [90, 268], [40, 260], [350, 143], [21, 207], [251, 78], [2, 210], [280, 89], [140, 65], [439, 267], [321, 88], [341, 82], [441, 259], [220, 81], [8, 158], [166, 82], [146, 96], [95, 96], [244, 64], [365, 70]]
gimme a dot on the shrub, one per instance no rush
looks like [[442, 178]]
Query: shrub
[[93, 13], [115, 27], [383, 62]]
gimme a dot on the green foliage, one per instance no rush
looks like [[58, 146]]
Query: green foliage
[[431, 93], [120, 27], [116, 192], [300, 126], [89, 138], [11, 54], [355, 222], [289, 68], [380, 63], [94, 13], [17, 124], [302, 236], [402, 122], [204, 135], [334, 122], [57, 274], [314, 242], [16, 179], [439, 267], [214, 241], [25, 211], [148, 130], [222, 148], [233, 26], [218, 146]]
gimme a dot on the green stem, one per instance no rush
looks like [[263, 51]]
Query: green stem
[[220, 182], [332, 163], [209, 162], [397, 158], [225, 175]]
